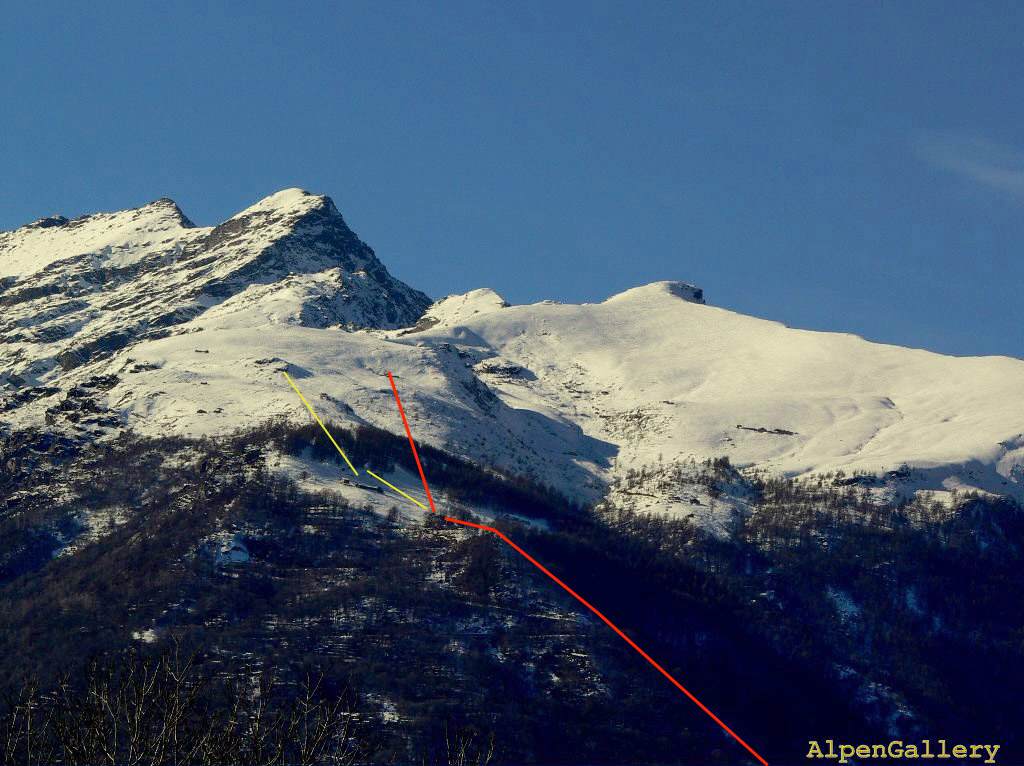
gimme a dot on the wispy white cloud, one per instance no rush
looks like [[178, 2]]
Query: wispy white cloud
[[987, 162]]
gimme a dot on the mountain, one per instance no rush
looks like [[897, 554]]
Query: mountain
[[141, 320], [817, 535]]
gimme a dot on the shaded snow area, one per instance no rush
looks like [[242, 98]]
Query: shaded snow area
[[844, 604], [139, 320], [87, 526], [232, 551], [226, 548]]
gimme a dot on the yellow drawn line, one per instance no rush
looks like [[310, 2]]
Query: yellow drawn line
[[421, 505], [325, 428]]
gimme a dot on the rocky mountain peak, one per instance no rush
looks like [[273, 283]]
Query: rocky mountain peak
[[293, 214], [169, 208]]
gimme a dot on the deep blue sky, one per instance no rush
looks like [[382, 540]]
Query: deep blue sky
[[855, 167]]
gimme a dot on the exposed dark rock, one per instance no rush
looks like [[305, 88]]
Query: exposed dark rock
[[763, 430], [46, 223]]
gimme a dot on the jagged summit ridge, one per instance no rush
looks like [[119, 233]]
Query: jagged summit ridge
[[107, 236], [74, 291]]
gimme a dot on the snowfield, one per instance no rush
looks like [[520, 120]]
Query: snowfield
[[571, 394]]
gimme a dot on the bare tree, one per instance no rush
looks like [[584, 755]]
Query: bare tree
[[462, 750], [163, 710]]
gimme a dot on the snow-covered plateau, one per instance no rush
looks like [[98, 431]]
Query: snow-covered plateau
[[141, 320]]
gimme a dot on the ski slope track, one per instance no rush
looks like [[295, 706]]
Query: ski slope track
[[140, 320]]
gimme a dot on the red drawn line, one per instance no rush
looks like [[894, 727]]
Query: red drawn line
[[412, 444], [613, 627], [574, 593]]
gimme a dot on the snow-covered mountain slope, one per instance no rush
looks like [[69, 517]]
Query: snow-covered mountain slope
[[656, 373], [180, 329]]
